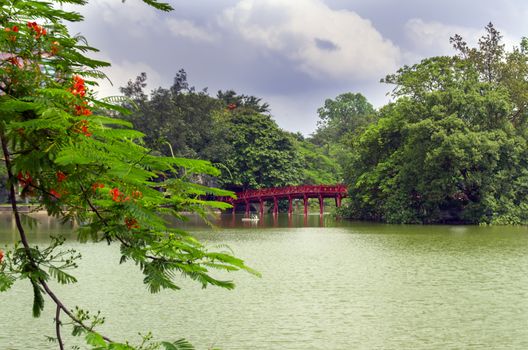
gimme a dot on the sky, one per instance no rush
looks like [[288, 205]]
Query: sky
[[294, 54]]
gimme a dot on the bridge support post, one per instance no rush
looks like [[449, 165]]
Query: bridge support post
[[321, 205], [275, 206], [261, 207], [338, 200], [305, 200], [290, 206], [247, 208]]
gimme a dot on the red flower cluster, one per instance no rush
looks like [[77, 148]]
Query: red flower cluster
[[118, 196], [24, 179], [1, 256], [12, 29], [83, 128], [114, 192], [55, 47], [78, 88], [61, 176], [131, 223], [39, 30], [55, 194], [97, 185], [231, 106], [82, 110], [15, 61]]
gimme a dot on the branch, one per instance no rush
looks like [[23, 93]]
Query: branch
[[27, 248], [61, 306], [57, 328]]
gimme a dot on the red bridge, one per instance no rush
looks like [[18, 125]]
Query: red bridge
[[303, 192]]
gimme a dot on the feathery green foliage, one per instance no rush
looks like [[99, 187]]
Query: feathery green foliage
[[64, 148]]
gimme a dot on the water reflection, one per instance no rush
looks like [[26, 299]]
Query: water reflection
[[265, 221], [38, 227]]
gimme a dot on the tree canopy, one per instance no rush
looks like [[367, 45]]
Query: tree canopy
[[452, 147], [234, 132]]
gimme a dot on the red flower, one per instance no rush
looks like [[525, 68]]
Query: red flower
[[83, 128], [231, 106], [15, 61], [131, 223], [78, 86], [24, 179], [55, 193], [55, 47], [15, 29], [39, 30], [1, 256], [61, 176], [114, 192], [81, 110], [96, 185]]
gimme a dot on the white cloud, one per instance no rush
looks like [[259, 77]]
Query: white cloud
[[187, 29], [321, 41], [430, 38]]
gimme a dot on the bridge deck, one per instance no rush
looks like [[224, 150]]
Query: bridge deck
[[291, 192]]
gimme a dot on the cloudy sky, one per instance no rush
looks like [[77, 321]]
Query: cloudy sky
[[293, 54]]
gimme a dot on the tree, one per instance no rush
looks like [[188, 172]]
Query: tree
[[317, 168], [177, 120], [342, 120], [452, 147], [347, 114], [60, 148], [251, 103], [260, 154]]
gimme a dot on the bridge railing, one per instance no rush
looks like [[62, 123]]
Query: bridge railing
[[293, 190]]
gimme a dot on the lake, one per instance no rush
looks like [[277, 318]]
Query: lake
[[325, 285]]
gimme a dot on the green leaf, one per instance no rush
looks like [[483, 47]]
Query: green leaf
[[163, 6], [95, 339], [6, 281], [38, 300], [61, 276], [180, 344]]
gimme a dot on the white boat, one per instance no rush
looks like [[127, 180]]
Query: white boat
[[252, 218]]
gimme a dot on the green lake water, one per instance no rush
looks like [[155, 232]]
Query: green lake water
[[324, 285]]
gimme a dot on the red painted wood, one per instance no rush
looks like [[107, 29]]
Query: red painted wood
[[291, 192], [311, 191]]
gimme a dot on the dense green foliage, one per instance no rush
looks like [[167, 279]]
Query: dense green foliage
[[234, 132], [61, 148], [342, 120], [453, 146]]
